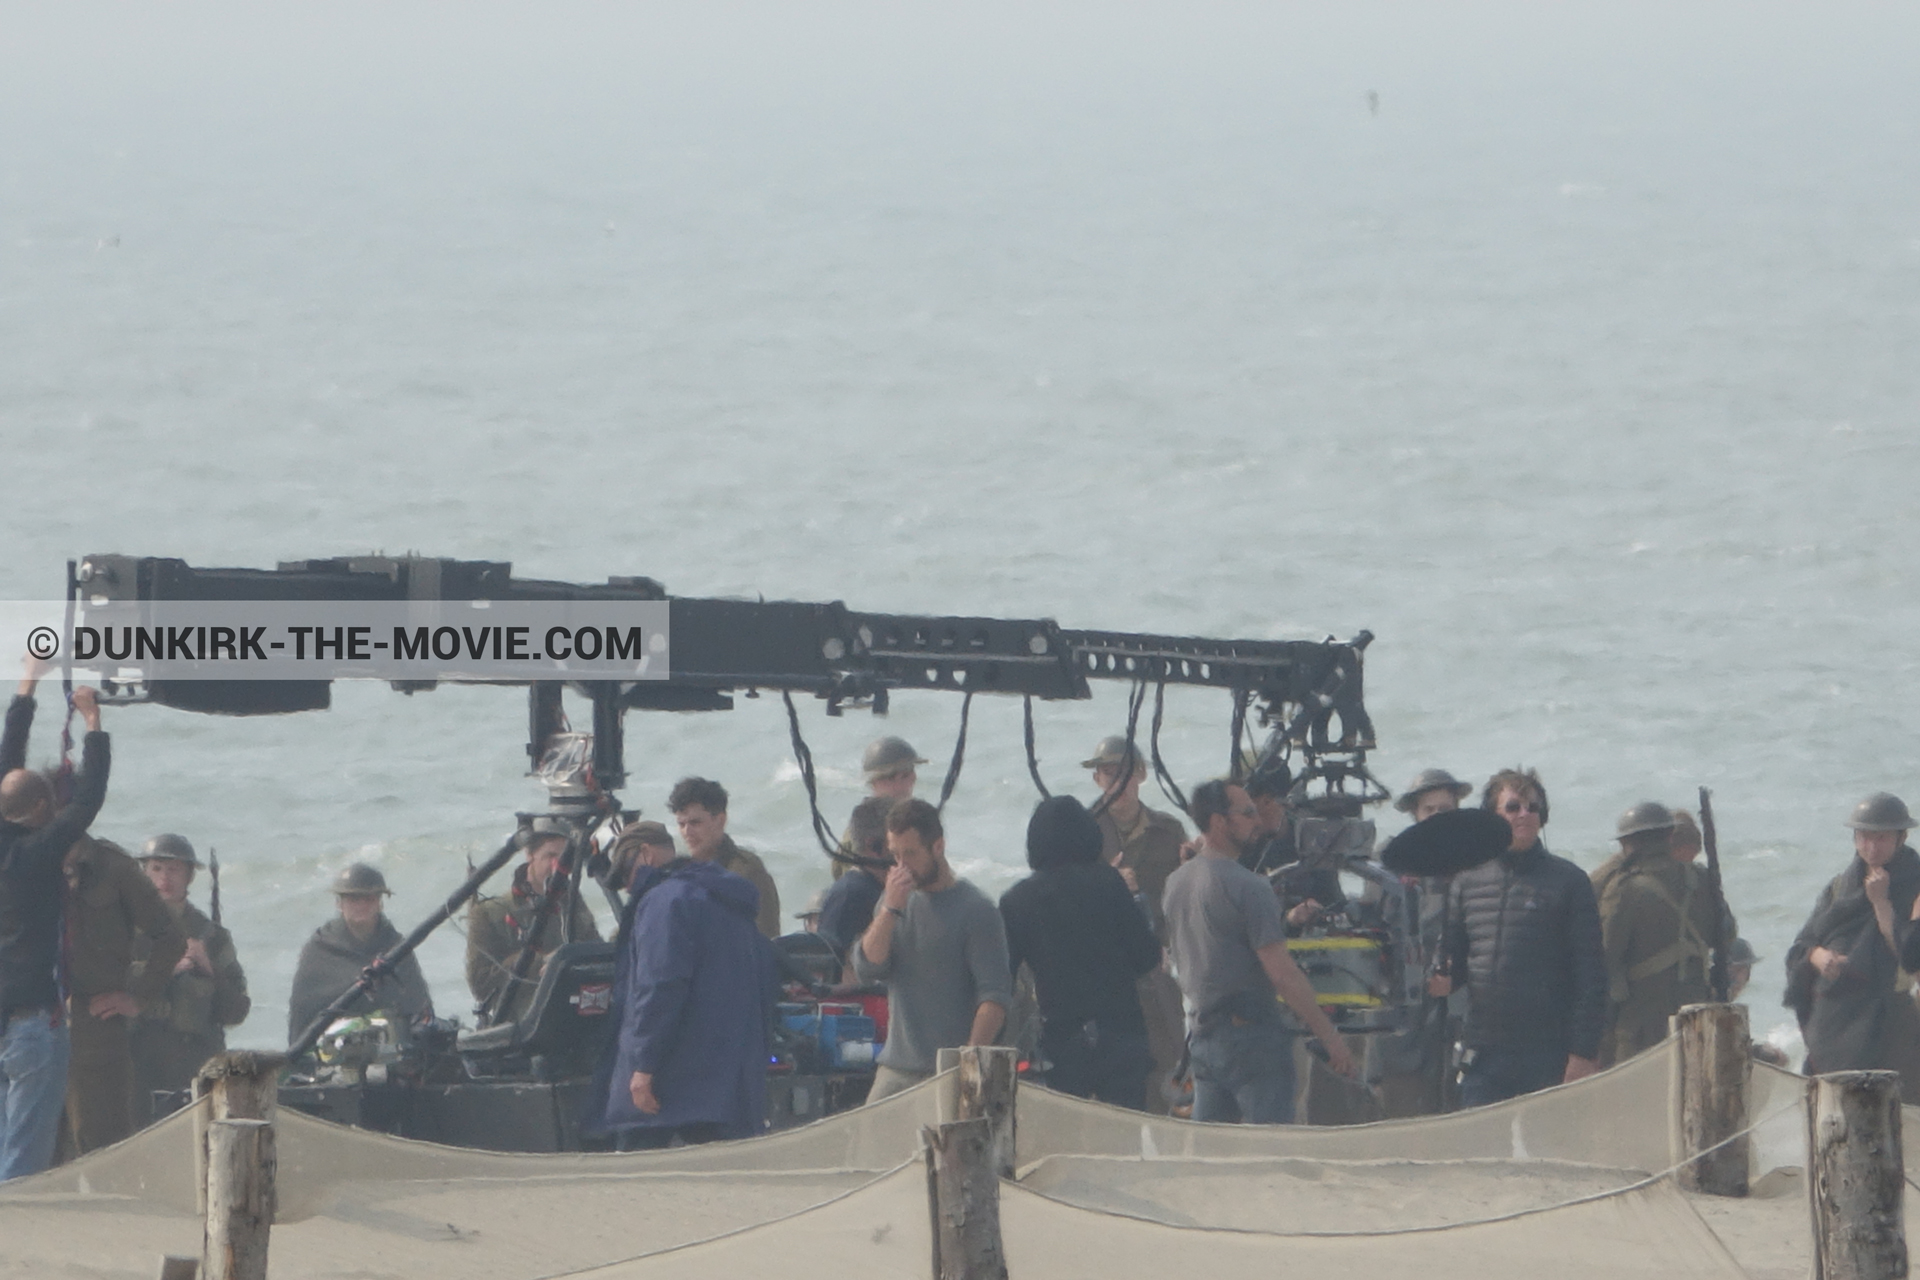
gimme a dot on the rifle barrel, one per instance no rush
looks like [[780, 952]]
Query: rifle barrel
[[1717, 969]]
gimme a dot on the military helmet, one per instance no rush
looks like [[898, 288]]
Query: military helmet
[[542, 828], [1881, 811], [1648, 815], [1112, 750], [360, 879], [813, 906], [887, 756], [168, 847], [1431, 780], [1740, 951]]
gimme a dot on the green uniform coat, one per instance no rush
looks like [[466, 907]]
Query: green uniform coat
[[1656, 925], [177, 1032], [746, 864], [497, 933], [331, 962], [110, 902]]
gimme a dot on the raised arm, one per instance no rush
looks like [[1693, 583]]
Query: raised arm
[[13, 743], [89, 788]]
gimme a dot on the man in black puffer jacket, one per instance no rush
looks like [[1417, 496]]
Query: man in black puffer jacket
[[1077, 924], [1525, 932]]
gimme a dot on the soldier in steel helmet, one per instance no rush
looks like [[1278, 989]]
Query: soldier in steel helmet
[[890, 767], [1844, 979], [1657, 926], [334, 956], [510, 936], [205, 994]]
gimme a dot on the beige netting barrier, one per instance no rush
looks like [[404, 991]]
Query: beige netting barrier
[[882, 1231], [318, 1159], [364, 1205]]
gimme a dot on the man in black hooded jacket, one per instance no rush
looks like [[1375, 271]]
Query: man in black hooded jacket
[[1075, 922], [1524, 933]]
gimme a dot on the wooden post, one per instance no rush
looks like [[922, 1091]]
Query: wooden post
[[963, 1200], [989, 1075], [177, 1268], [240, 1199], [1856, 1176], [242, 1085], [1716, 1059]]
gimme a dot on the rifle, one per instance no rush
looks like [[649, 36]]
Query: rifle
[[1717, 970], [213, 874]]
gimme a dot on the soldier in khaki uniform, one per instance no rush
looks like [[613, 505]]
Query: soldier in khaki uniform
[[1145, 845], [500, 930], [207, 992], [890, 767], [109, 902], [1656, 923]]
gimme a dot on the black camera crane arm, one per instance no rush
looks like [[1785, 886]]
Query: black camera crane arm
[[1309, 694]]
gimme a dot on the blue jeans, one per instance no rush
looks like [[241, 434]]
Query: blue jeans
[[1499, 1072], [33, 1088], [1242, 1073]]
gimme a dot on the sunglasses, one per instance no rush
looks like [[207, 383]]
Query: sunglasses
[[1516, 807]]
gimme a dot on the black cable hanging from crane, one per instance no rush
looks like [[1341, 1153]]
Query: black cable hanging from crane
[[822, 830], [1161, 773], [1238, 765], [959, 753], [1033, 760], [1135, 700]]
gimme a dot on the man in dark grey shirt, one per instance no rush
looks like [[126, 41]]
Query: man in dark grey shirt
[[938, 944], [1229, 944]]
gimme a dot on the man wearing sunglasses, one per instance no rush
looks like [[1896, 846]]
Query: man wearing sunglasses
[[1524, 935]]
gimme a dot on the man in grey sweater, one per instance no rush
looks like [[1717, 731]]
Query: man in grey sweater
[[938, 944]]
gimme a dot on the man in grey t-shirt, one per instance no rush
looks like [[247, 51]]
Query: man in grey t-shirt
[[938, 944], [1229, 944]]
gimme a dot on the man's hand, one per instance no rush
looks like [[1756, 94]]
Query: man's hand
[[1340, 1058], [1876, 886], [1133, 881], [1830, 964], [195, 959], [32, 670], [898, 889], [1304, 914], [1440, 986], [86, 700], [114, 1004], [641, 1087], [1578, 1068]]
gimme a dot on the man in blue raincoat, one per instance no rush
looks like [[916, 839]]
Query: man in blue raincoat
[[695, 991]]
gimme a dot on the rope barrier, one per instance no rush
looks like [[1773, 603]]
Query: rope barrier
[[1590, 1198]]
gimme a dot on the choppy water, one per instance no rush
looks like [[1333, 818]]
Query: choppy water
[[1582, 373]]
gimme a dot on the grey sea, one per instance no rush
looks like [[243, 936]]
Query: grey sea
[[1569, 348]]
